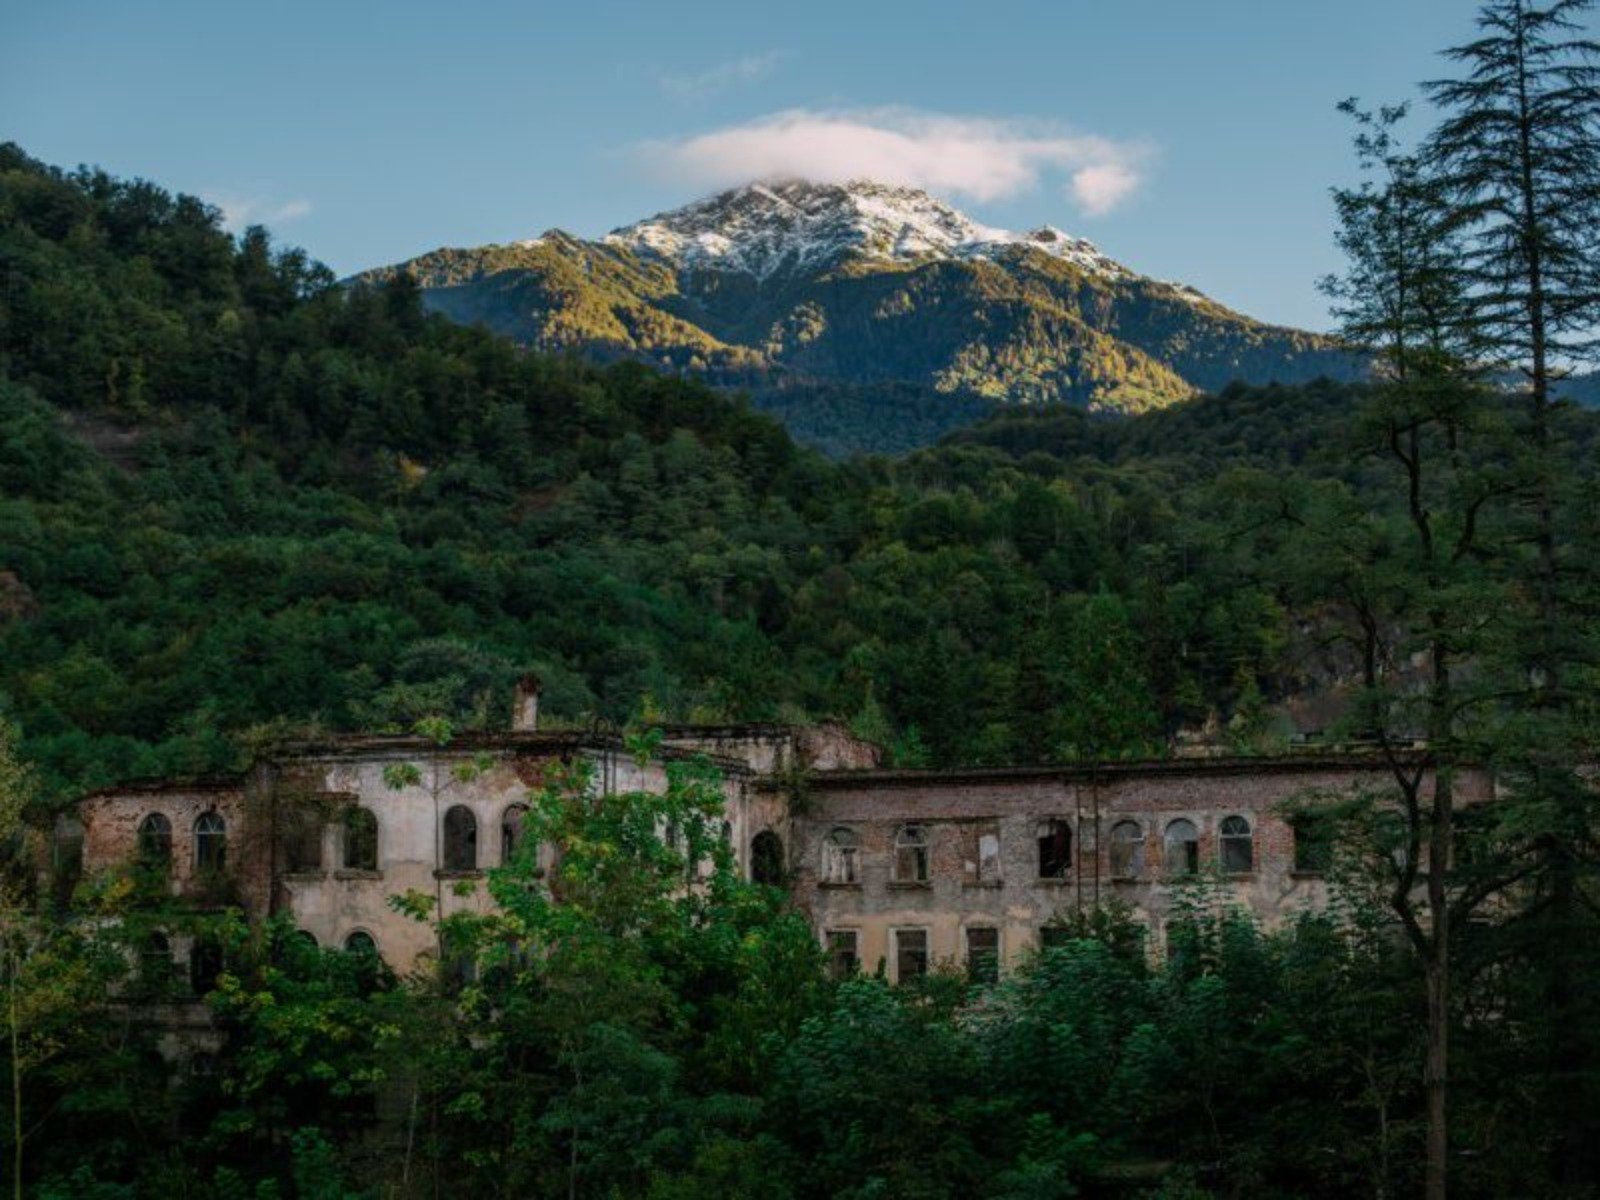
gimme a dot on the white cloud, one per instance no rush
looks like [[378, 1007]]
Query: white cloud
[[1103, 186], [241, 211], [734, 73], [977, 157]]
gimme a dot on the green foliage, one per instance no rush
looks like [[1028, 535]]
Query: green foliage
[[240, 501]]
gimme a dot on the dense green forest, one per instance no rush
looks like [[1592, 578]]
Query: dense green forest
[[239, 498], [239, 501]]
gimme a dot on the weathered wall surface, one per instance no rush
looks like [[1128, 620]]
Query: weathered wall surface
[[981, 831], [111, 822], [957, 811]]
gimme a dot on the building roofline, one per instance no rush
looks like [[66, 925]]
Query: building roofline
[[157, 787], [1280, 764], [362, 745]]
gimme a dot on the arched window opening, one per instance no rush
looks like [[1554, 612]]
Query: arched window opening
[[766, 858], [360, 839], [460, 839], [155, 842], [205, 965], [1238, 847], [1181, 848], [511, 823], [1055, 849], [360, 942], [210, 843], [1127, 850], [911, 854], [841, 857]]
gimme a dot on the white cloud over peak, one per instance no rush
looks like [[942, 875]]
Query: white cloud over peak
[[735, 73], [981, 158], [238, 212]]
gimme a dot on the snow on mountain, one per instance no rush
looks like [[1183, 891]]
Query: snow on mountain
[[764, 228]]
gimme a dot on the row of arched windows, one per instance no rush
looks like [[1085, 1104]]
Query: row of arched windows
[[207, 960], [210, 842], [841, 851], [460, 850], [360, 827]]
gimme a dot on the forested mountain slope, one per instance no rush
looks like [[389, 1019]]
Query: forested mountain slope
[[791, 286], [236, 498]]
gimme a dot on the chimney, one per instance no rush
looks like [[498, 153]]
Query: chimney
[[525, 705]]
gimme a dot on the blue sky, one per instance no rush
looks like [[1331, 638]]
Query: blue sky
[[1192, 139]]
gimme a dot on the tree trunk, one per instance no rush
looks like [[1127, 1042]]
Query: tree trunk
[[16, 1075]]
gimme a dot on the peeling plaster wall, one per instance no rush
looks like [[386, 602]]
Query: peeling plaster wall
[[981, 827], [956, 811], [111, 837]]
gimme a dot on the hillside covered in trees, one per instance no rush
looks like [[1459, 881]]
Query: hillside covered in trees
[[238, 498]]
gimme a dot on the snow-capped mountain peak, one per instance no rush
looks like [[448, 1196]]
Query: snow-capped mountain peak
[[764, 228]]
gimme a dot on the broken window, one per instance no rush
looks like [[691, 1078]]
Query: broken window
[[210, 843], [460, 839], [844, 958], [1181, 848], [1313, 843], [360, 839], [983, 954], [205, 964], [911, 854], [983, 863], [302, 842], [511, 823], [766, 858], [1127, 850], [910, 954], [155, 842], [840, 857], [1237, 846], [1055, 849], [1054, 936]]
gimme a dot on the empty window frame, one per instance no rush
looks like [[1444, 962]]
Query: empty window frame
[[1054, 936], [360, 839], [1054, 838], [766, 858], [205, 965], [910, 954], [1180, 849], [1236, 846], [301, 842], [1127, 850], [210, 843], [985, 850], [155, 964], [841, 857], [844, 952], [911, 854], [155, 842], [460, 839], [360, 942], [983, 954], [511, 824], [1313, 843]]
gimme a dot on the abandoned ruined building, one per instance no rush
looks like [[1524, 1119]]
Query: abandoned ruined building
[[899, 869]]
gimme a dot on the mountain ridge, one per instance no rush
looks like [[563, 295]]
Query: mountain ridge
[[785, 284]]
